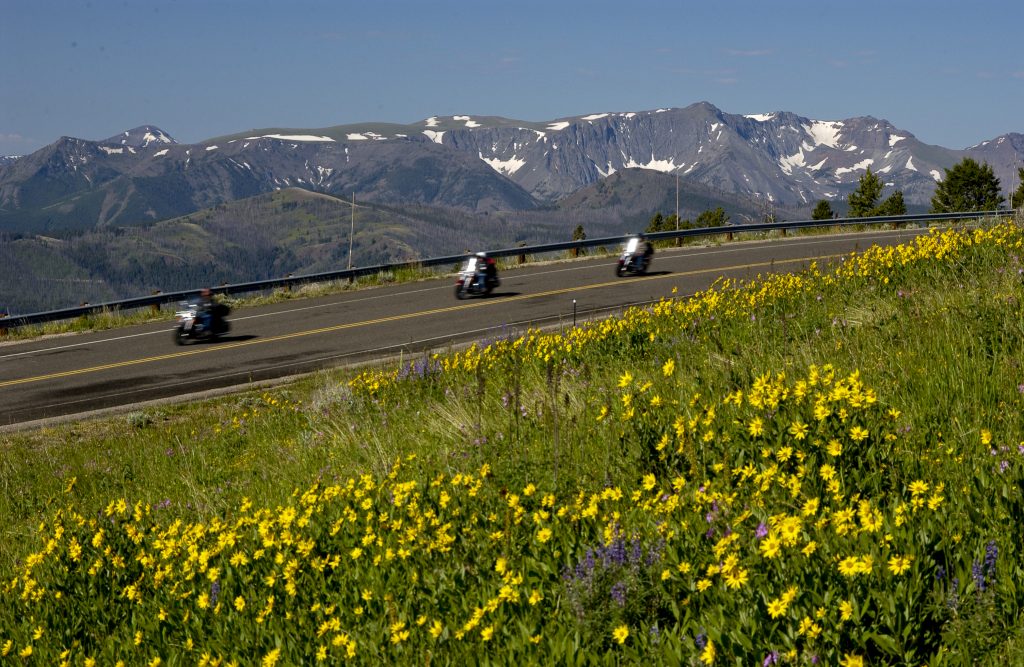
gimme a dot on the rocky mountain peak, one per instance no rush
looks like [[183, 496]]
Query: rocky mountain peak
[[141, 137]]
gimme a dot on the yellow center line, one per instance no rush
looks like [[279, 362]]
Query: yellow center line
[[394, 318]]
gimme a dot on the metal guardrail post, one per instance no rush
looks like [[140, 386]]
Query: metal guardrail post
[[155, 307]]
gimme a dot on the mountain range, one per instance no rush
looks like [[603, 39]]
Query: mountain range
[[534, 180]]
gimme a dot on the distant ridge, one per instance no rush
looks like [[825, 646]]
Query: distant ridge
[[480, 164]]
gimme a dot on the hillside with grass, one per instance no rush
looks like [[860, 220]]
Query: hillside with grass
[[814, 468]]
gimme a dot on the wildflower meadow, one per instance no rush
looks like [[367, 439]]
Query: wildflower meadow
[[818, 468]]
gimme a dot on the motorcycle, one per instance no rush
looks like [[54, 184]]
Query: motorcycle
[[633, 259], [475, 278], [192, 325]]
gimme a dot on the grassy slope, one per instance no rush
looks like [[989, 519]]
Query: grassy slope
[[940, 343]]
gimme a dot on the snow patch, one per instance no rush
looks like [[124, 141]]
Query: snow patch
[[666, 166], [434, 135], [561, 125], [886, 169], [594, 116], [507, 167], [910, 164], [469, 121], [936, 175], [159, 153], [824, 133], [714, 126], [894, 139], [863, 164], [796, 160], [432, 121], [111, 151], [292, 137], [760, 117], [212, 148], [159, 138]]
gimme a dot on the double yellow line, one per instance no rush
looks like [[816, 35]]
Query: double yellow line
[[396, 318]]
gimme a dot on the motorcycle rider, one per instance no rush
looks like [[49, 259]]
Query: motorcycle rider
[[204, 311], [486, 270], [647, 247]]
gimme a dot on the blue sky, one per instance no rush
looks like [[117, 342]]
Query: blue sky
[[950, 72]]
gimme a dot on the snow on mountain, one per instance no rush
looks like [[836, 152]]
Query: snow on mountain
[[489, 163], [141, 137]]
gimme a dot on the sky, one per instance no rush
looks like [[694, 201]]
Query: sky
[[949, 72]]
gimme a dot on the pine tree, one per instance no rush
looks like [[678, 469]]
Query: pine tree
[[864, 199], [893, 205], [712, 218], [822, 210], [657, 223], [968, 186], [1017, 198]]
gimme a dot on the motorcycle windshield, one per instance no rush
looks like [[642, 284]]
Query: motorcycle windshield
[[632, 244], [470, 265]]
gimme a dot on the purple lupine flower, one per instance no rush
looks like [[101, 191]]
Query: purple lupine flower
[[701, 640], [978, 575], [655, 634], [991, 554], [940, 573], [654, 555], [771, 659], [762, 531], [617, 552], [214, 592], [618, 593]]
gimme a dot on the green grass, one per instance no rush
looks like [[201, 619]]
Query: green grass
[[938, 341]]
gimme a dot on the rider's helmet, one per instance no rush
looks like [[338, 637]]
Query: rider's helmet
[[482, 255]]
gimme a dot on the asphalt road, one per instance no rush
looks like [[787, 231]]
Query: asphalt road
[[65, 376]]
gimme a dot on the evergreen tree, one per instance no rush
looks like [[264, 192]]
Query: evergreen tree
[[1017, 198], [822, 210], [893, 205], [864, 199], [712, 218], [657, 223], [968, 186], [578, 235]]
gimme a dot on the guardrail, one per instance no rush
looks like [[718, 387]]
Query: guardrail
[[157, 299]]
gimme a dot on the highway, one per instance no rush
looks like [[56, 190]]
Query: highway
[[75, 375]]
